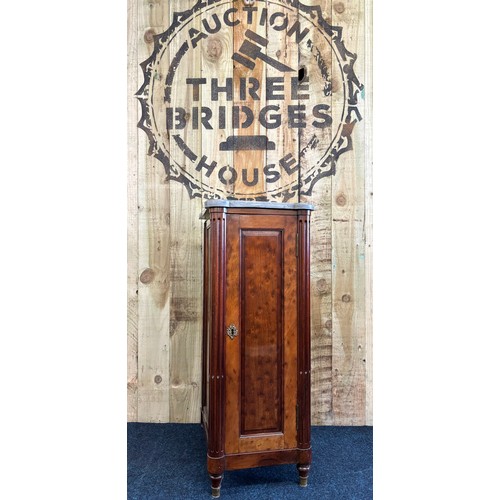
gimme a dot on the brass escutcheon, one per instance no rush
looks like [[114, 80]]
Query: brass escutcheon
[[232, 331]]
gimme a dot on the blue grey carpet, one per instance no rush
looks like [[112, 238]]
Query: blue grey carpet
[[168, 461]]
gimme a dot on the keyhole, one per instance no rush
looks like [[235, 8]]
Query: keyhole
[[302, 74]]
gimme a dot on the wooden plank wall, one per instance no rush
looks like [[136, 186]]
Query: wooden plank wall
[[132, 296], [165, 244], [348, 250]]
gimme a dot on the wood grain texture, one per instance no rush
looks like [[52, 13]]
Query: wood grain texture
[[185, 273], [304, 334], [233, 347], [154, 255], [165, 235], [217, 355], [249, 160], [321, 243], [264, 458], [285, 138], [132, 256], [261, 361], [348, 257], [262, 276], [368, 228], [216, 60]]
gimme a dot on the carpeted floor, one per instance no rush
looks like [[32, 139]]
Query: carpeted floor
[[168, 461]]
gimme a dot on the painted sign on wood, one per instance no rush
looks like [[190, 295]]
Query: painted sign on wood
[[256, 101], [259, 109]]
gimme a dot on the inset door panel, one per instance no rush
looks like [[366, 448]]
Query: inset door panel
[[261, 331]]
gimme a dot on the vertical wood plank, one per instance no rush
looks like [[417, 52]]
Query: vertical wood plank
[[154, 253], [321, 245], [348, 258], [248, 161], [216, 62], [186, 236], [286, 139], [132, 131], [165, 235], [368, 239]]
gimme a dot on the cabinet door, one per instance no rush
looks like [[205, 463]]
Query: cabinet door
[[261, 361]]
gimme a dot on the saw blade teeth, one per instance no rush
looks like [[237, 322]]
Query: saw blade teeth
[[352, 92]]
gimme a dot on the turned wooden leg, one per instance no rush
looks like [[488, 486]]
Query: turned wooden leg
[[303, 474], [216, 480]]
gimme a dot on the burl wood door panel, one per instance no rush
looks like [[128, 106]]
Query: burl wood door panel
[[261, 275], [261, 378]]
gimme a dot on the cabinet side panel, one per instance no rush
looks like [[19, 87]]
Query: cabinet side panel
[[262, 331]]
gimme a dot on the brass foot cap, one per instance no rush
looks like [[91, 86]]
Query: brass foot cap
[[303, 482], [216, 492]]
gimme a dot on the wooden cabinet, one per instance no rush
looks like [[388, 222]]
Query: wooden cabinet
[[256, 336]]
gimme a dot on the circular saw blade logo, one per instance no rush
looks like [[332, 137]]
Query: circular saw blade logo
[[234, 114]]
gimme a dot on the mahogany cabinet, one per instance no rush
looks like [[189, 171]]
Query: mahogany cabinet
[[256, 336]]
